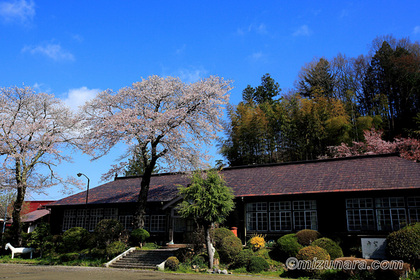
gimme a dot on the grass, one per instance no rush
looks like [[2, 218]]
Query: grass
[[52, 260], [149, 246]]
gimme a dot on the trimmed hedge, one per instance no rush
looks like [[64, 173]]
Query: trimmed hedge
[[404, 244], [357, 272], [220, 234], [288, 246], [230, 247], [75, 239], [306, 236], [257, 264], [309, 253], [115, 248], [172, 263], [139, 236], [242, 259], [328, 244]]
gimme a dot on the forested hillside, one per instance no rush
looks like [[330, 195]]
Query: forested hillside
[[333, 101]]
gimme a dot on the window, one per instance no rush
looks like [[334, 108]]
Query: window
[[304, 214], [257, 216], [390, 213], [157, 223], [126, 221], [110, 213], [413, 204], [390, 202], [81, 218], [147, 222], [180, 224], [95, 217], [280, 216], [360, 214], [69, 219]]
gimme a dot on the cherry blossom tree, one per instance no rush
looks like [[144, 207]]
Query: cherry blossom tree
[[165, 119], [34, 127], [409, 148]]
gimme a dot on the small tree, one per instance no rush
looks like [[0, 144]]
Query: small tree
[[208, 200], [40, 238]]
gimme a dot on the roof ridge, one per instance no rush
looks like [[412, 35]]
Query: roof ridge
[[312, 161], [269, 164]]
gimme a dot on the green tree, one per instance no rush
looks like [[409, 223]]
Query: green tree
[[316, 78], [208, 201], [391, 87], [253, 130], [266, 92], [40, 238]]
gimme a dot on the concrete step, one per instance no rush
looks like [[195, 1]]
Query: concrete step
[[144, 259]]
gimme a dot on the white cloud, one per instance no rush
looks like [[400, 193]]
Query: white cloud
[[191, 76], [77, 97], [240, 32], [21, 11], [257, 57], [181, 50], [302, 31], [253, 28], [416, 29], [53, 51], [258, 28]]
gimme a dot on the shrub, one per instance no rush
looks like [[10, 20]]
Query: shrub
[[200, 261], [74, 239], [107, 231], [172, 263], [40, 238], [97, 253], [68, 257], [139, 236], [230, 247], [404, 244], [257, 264], [183, 254], [288, 246], [332, 248], [196, 239], [307, 236], [257, 242], [220, 234], [115, 248], [242, 259], [359, 272], [308, 254]]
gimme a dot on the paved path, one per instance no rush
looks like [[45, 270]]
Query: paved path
[[30, 272]]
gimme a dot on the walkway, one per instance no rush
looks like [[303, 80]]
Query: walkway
[[28, 272]]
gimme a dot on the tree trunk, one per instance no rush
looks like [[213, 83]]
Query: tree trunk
[[142, 198], [210, 248], [17, 208]]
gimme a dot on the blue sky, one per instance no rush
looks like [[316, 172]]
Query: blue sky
[[74, 49]]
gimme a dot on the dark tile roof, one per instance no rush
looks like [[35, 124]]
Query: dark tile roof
[[34, 215], [364, 173]]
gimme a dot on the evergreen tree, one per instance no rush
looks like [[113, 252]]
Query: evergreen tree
[[208, 201]]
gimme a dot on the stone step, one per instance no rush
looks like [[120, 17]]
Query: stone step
[[144, 259]]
